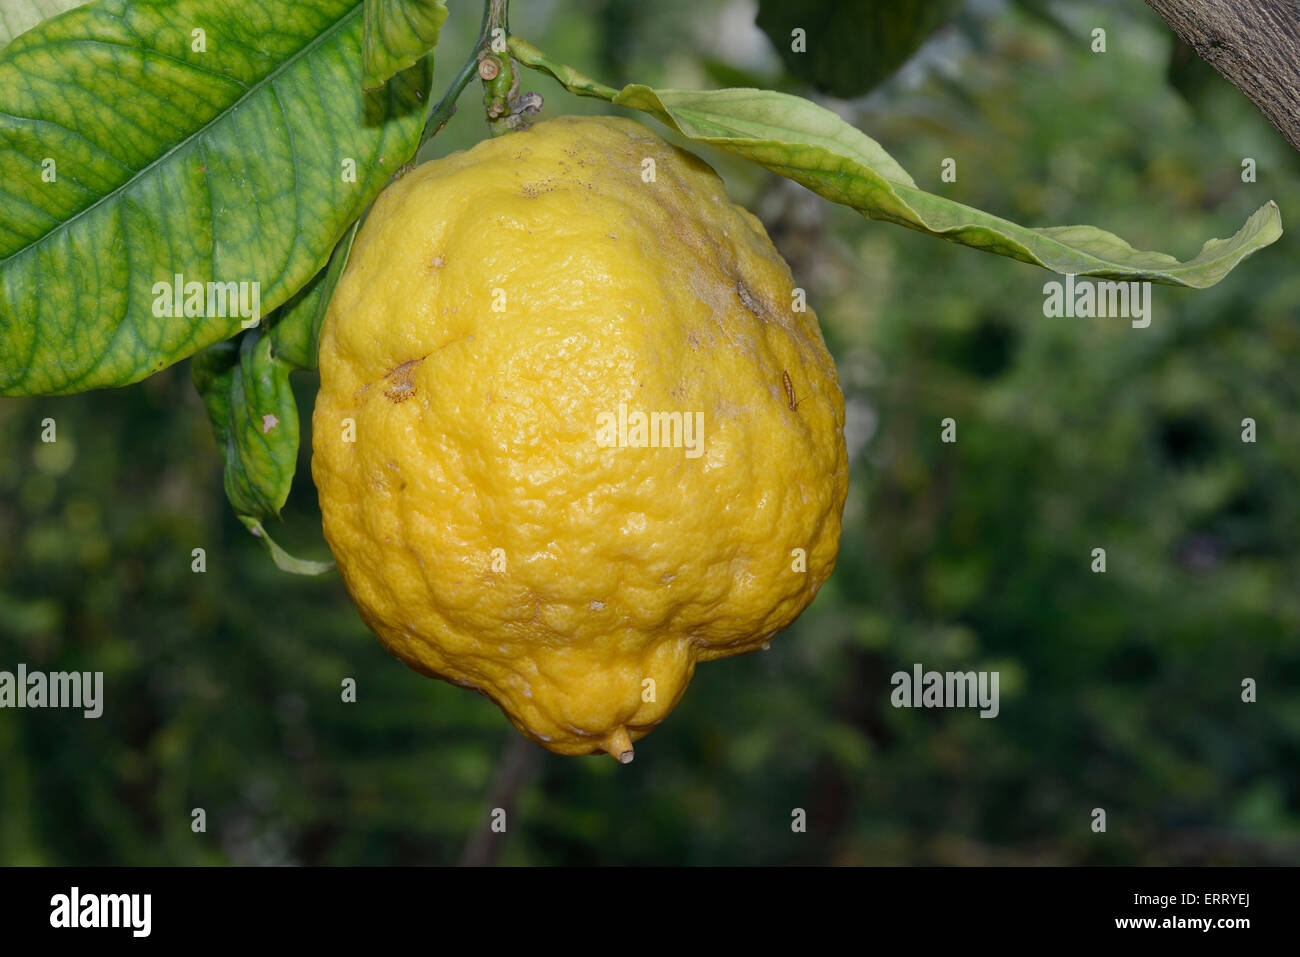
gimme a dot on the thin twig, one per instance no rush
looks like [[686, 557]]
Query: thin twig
[[515, 767], [441, 113]]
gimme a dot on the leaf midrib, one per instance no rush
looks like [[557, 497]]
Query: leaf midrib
[[255, 88]]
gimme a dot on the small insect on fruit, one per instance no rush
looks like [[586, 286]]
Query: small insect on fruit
[[789, 392]]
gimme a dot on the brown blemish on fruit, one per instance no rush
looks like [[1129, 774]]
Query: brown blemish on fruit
[[438, 262], [402, 381], [533, 190], [747, 299]]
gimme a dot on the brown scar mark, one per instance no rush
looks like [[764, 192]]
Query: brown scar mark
[[403, 384], [403, 376], [438, 262], [747, 299]]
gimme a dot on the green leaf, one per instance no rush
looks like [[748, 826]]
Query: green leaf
[[812, 146], [283, 560], [397, 34], [245, 387], [850, 47], [19, 16], [246, 391], [295, 328], [217, 156], [254, 418]]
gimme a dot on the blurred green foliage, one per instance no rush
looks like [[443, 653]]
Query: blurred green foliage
[[1119, 691]]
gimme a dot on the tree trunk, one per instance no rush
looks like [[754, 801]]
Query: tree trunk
[[1255, 44]]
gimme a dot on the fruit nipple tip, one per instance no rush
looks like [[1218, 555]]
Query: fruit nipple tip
[[619, 746]]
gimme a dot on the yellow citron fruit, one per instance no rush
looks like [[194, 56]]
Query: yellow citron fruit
[[576, 431]]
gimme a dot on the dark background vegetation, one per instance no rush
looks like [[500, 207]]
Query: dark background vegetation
[[1119, 691]]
